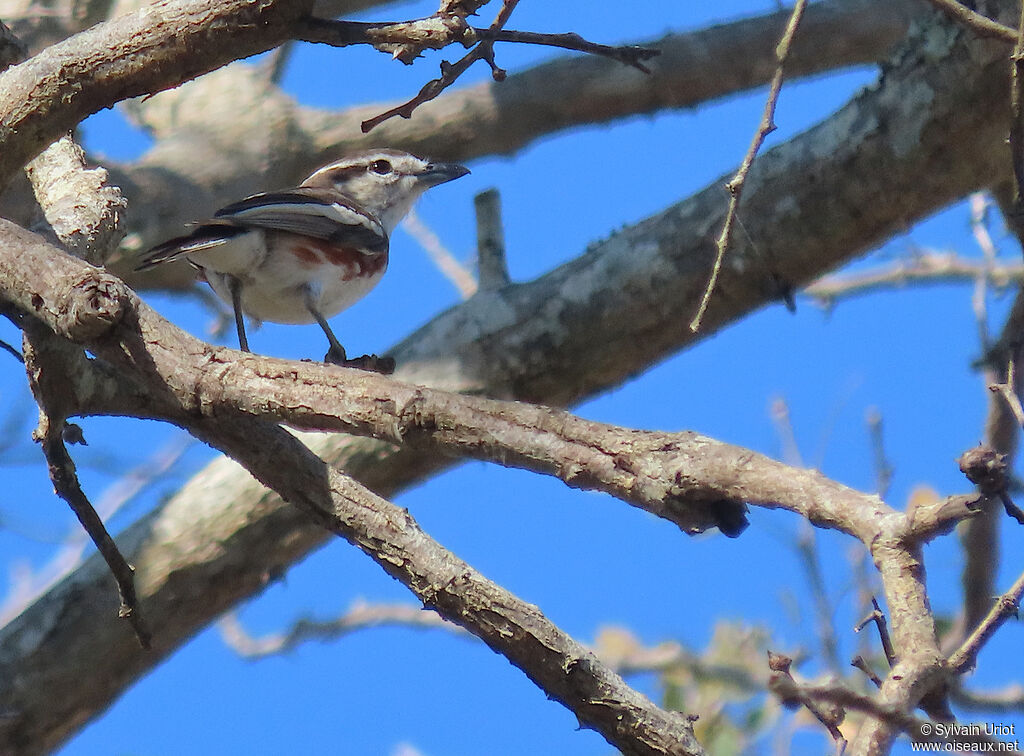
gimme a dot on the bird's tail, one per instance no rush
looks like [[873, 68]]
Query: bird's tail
[[204, 237]]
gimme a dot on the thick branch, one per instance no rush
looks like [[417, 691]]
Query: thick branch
[[148, 51], [80, 205], [691, 480], [560, 666]]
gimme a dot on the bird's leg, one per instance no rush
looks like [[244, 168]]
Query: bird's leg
[[236, 303], [336, 354]]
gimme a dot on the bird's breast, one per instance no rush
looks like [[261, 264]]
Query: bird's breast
[[296, 271]]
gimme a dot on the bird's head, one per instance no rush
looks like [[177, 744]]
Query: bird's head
[[386, 182]]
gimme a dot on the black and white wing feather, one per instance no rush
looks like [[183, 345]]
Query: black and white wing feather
[[320, 213], [309, 211]]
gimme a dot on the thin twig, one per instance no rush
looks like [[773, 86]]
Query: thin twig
[[1006, 390], [49, 389], [858, 558], [807, 549], [626, 655], [1004, 700], [1004, 608], [1011, 509], [930, 267], [979, 24], [735, 185], [791, 694], [629, 55], [878, 617], [66, 485], [345, 33], [861, 663], [450, 72], [12, 351], [274, 65], [883, 468], [788, 690], [979, 204], [445, 261], [783, 423], [359, 616], [118, 495]]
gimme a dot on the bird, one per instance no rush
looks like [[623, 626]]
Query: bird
[[304, 254]]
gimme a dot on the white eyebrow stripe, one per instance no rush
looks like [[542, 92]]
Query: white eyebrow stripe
[[331, 167]]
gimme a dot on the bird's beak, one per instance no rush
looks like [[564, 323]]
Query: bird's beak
[[440, 173]]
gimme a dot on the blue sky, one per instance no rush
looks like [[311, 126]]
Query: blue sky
[[585, 559]]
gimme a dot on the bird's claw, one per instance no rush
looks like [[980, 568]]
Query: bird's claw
[[371, 362]]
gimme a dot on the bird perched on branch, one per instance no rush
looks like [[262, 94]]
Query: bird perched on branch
[[303, 255]]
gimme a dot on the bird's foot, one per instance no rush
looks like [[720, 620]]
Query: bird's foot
[[336, 356], [371, 362]]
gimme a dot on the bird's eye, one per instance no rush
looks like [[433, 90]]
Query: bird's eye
[[383, 167]]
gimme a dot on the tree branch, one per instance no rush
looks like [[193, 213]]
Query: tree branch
[[450, 72], [1004, 608], [50, 434], [432, 33], [734, 186], [977, 23], [81, 206], [686, 478], [532, 342], [926, 268], [560, 666], [921, 730], [360, 616], [148, 51]]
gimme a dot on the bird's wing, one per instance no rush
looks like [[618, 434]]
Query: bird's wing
[[319, 213]]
